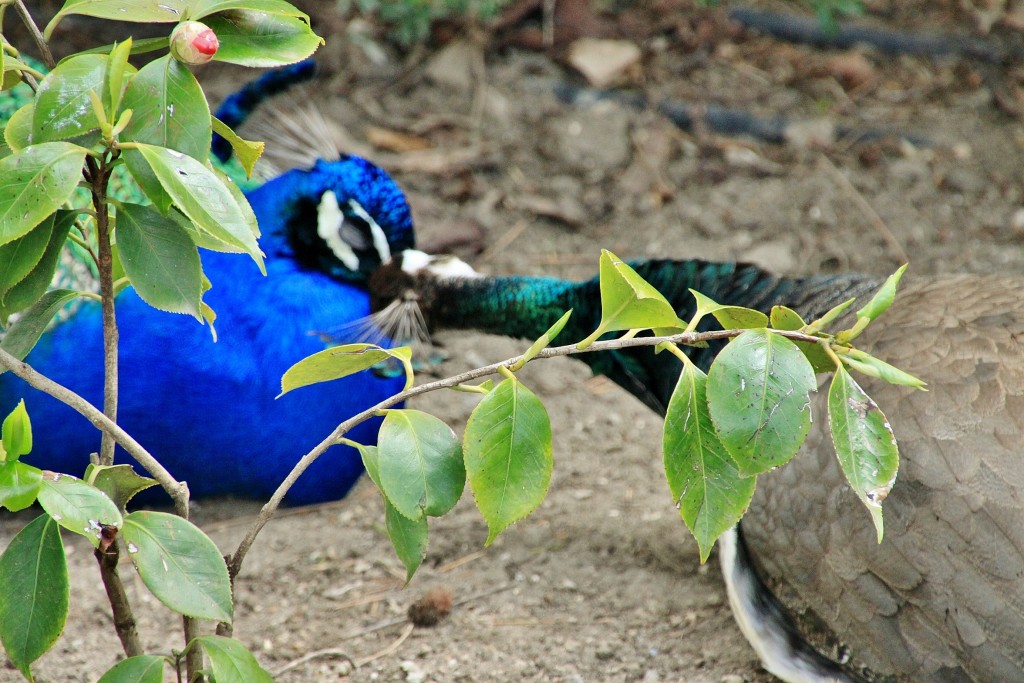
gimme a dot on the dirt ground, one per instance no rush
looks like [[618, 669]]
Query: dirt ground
[[603, 582]]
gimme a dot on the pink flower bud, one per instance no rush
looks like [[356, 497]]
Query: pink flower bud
[[193, 42]]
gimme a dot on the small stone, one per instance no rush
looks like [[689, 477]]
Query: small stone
[[603, 62]]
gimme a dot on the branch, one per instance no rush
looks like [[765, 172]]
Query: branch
[[36, 34], [178, 491], [270, 508]]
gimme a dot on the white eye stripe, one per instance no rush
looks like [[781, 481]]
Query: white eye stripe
[[380, 240], [329, 220]]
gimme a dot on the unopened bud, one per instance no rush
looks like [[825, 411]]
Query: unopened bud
[[193, 42]]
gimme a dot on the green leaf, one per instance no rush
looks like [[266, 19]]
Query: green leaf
[[884, 297], [705, 482], [333, 363], [77, 506], [140, 11], [18, 258], [230, 662], [201, 8], [160, 260], [758, 397], [23, 334], [17, 433], [542, 342], [169, 109], [179, 564], [34, 285], [138, 669], [873, 367], [202, 197], [19, 485], [18, 131], [420, 460], [408, 537], [739, 318], [34, 600], [247, 151], [783, 318], [628, 301], [34, 183], [864, 443], [257, 38], [507, 447], [63, 105], [119, 482], [832, 315], [117, 68]]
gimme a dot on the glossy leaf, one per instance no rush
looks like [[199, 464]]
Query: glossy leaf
[[408, 537], [542, 342], [201, 8], [24, 332], [18, 258], [169, 109], [507, 448], [34, 183], [160, 259], [200, 195], [247, 151], [333, 363], [758, 397], [19, 485], [141, 11], [63, 107], [261, 39], [709, 492], [179, 564], [77, 506], [119, 482], [231, 662], [138, 669], [420, 460], [35, 595], [33, 286], [864, 443]]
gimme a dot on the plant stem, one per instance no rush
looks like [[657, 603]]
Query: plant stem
[[178, 491], [100, 176], [194, 654], [36, 34], [270, 508], [124, 619]]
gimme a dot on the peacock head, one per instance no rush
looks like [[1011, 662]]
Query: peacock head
[[344, 218]]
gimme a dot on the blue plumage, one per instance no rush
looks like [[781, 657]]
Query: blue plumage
[[207, 410]]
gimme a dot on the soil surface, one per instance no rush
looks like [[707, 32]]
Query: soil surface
[[602, 583]]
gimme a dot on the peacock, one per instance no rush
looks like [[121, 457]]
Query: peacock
[[941, 600]]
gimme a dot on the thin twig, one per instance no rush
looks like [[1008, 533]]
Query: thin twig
[[406, 632], [100, 176], [124, 618], [178, 491], [270, 508], [37, 35], [869, 212]]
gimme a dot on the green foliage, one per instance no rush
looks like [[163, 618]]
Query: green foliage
[[230, 662]]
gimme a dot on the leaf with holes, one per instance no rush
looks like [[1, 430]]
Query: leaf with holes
[[160, 259], [507, 447], [179, 564], [420, 463], [758, 396], [77, 506], [34, 183], [705, 482], [34, 600], [864, 443]]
